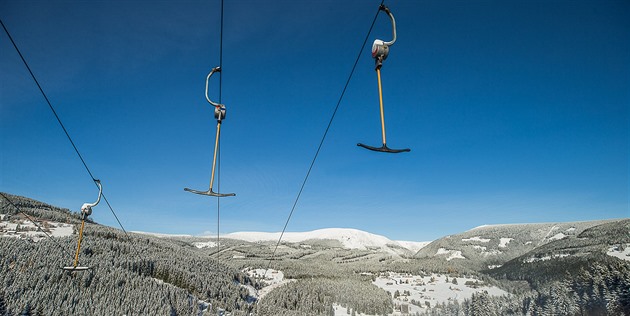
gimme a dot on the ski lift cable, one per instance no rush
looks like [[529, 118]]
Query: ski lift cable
[[220, 111], [35, 223], [76, 150], [219, 141], [321, 143], [40, 228]]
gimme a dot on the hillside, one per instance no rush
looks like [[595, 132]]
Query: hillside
[[130, 274], [571, 254], [347, 238], [511, 269], [490, 246]]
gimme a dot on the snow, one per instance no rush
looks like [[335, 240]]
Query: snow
[[8, 226], [476, 238], [491, 252], [22, 228], [348, 237], [432, 288], [273, 278], [554, 227], [557, 236], [497, 225], [484, 252], [504, 241], [570, 229], [545, 258], [205, 244], [342, 311], [414, 246], [62, 230], [615, 252], [160, 234], [442, 251], [453, 254]]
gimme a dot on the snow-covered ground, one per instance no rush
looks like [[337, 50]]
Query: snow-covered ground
[[349, 238], [615, 252], [433, 289], [23, 228], [476, 238], [557, 236], [503, 242], [452, 254], [545, 258], [160, 234], [273, 279], [414, 246], [342, 311], [205, 244]]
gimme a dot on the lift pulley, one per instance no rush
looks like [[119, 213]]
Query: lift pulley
[[219, 114], [380, 51], [86, 210]]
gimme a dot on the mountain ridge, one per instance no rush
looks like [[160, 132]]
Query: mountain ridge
[[350, 238]]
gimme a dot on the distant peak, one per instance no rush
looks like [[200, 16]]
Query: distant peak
[[350, 238]]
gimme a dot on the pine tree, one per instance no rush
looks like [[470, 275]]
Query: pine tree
[[3, 305], [27, 310]]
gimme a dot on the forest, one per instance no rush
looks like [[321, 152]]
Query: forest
[[130, 274], [139, 274]]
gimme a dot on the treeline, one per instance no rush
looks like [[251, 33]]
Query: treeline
[[130, 275], [316, 297], [39, 210], [600, 289]]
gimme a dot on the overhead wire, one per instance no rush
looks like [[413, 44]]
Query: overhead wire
[[76, 150], [138, 253], [303, 184], [34, 222], [219, 140], [64, 250], [321, 142]]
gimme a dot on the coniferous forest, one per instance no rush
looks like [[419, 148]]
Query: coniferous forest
[[130, 274], [138, 274]]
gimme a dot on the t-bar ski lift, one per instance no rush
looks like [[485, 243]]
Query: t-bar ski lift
[[86, 210], [380, 50], [219, 114]]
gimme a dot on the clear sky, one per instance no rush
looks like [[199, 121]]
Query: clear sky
[[515, 111]]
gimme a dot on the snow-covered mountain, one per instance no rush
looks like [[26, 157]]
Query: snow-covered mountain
[[491, 246], [348, 237]]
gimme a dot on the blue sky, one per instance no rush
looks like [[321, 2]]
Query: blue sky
[[515, 111]]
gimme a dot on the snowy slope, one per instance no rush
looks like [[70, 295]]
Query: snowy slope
[[160, 235], [348, 237], [414, 246], [20, 227]]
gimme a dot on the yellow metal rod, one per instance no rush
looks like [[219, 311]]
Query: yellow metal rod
[[76, 256], [214, 159], [380, 98]]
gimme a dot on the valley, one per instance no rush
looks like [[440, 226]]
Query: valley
[[511, 269]]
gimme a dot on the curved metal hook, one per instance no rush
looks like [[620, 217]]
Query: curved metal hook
[[215, 69], [87, 207], [380, 48], [391, 16]]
